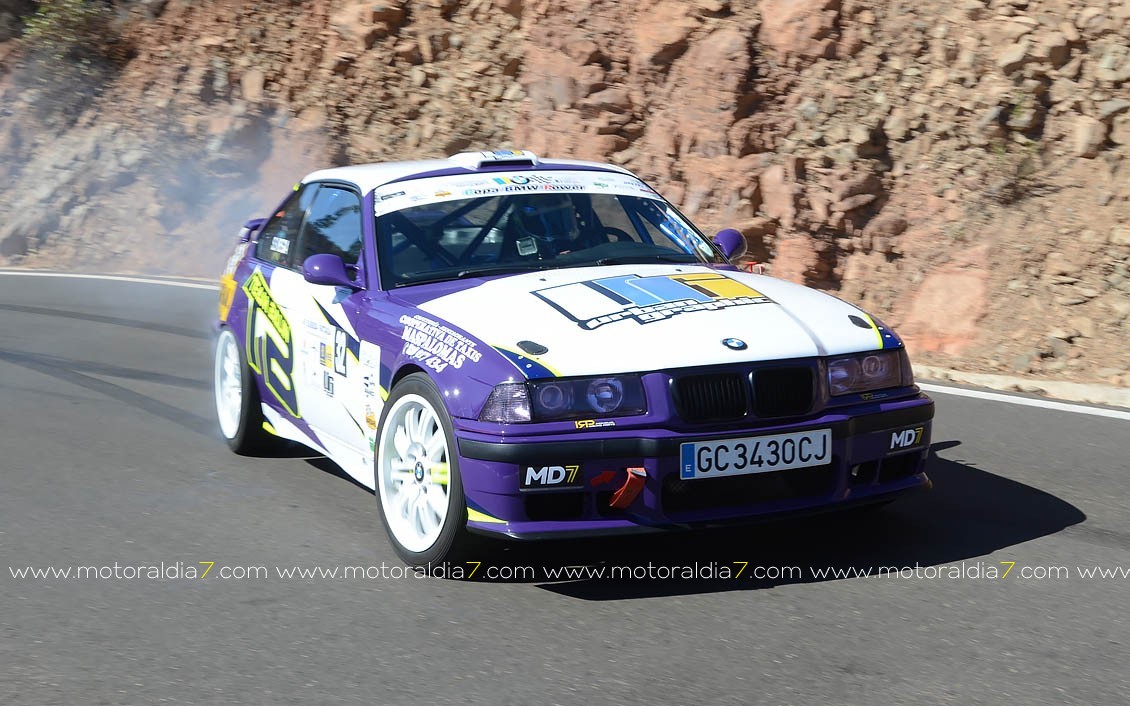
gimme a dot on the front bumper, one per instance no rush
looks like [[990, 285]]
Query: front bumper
[[874, 458]]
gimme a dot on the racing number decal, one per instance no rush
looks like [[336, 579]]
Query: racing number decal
[[340, 349], [269, 349]]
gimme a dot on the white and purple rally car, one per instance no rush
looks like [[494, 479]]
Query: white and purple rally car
[[535, 348]]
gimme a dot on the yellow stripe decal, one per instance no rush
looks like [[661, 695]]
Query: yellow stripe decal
[[476, 516], [874, 327], [719, 286], [269, 428]]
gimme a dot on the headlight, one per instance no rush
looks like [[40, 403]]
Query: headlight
[[605, 395], [869, 371], [610, 396], [551, 400]]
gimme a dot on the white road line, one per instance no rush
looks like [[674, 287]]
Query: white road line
[[114, 278], [1026, 401], [940, 389]]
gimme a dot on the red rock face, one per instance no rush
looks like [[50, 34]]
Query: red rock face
[[662, 97], [860, 146]]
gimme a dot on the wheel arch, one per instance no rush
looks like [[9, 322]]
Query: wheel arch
[[403, 372]]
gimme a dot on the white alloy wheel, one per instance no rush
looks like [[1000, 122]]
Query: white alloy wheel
[[413, 476], [228, 384]]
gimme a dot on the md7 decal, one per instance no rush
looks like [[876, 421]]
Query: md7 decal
[[270, 350], [646, 300], [906, 438], [548, 476]]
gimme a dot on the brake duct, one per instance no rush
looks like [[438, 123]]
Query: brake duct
[[628, 492]]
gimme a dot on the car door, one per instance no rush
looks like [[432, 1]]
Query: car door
[[270, 334], [337, 373]]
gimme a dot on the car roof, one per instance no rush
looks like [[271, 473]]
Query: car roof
[[367, 177]]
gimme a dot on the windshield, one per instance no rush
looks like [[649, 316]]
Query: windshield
[[520, 232]]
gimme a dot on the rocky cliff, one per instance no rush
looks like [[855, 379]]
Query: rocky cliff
[[958, 166]]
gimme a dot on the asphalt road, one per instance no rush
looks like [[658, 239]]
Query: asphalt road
[[108, 455]]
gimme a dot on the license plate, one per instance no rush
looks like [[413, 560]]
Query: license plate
[[755, 454]]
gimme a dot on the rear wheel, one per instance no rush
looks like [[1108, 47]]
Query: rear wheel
[[419, 489], [237, 399]]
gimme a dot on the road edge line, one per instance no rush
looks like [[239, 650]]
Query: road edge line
[[113, 278]]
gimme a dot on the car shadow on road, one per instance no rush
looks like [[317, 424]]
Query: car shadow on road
[[329, 467], [970, 513]]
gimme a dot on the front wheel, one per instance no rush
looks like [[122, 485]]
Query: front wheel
[[237, 399], [419, 489]]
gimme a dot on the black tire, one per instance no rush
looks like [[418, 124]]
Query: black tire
[[246, 436], [453, 542]]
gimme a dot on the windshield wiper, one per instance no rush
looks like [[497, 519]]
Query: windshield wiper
[[485, 270], [644, 259], [500, 269]]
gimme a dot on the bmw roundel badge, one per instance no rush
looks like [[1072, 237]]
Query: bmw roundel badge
[[734, 344]]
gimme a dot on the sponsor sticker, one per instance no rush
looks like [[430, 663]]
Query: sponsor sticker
[[527, 246], [907, 438], [436, 345], [447, 188], [593, 424], [646, 300], [551, 476]]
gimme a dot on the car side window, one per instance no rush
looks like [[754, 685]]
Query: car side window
[[279, 238], [332, 226]]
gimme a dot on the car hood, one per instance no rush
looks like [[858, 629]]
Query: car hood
[[623, 318]]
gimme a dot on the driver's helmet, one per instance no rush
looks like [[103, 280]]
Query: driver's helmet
[[550, 218]]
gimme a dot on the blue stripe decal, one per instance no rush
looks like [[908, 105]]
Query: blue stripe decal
[[628, 292], [605, 291], [890, 339], [532, 369]]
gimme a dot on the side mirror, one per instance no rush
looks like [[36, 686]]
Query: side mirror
[[325, 268], [730, 242]]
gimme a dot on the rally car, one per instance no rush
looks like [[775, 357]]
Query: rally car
[[533, 348]]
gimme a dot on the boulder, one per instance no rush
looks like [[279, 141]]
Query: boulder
[[851, 203], [663, 34], [1120, 130], [778, 195], [1109, 109], [1088, 136], [799, 28], [887, 226], [851, 184], [251, 84], [1013, 57]]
